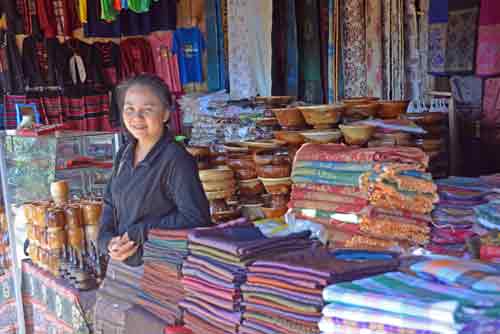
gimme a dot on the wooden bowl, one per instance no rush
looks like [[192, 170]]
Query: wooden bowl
[[274, 171], [218, 205], [362, 111], [59, 190], [213, 195], [263, 144], [217, 158], [252, 211], [218, 185], [276, 201], [267, 121], [290, 118], [56, 239], [359, 100], [55, 219], [225, 216], [290, 137], [427, 118], [74, 216], [272, 157], [234, 148], [276, 100], [358, 134], [198, 151], [245, 173], [271, 213], [392, 109], [216, 174], [277, 186], [250, 188], [91, 212], [322, 116], [322, 136], [240, 161]]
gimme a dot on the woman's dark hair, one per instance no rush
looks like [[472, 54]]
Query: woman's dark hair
[[154, 82]]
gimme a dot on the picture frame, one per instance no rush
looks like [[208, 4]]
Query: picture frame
[[27, 109]]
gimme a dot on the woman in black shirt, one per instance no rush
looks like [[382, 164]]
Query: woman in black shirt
[[155, 182]]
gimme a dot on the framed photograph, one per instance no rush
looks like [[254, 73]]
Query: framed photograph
[[27, 109]]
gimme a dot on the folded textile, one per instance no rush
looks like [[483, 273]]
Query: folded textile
[[413, 296], [341, 153], [334, 325], [197, 324], [281, 323], [211, 312], [331, 189], [474, 275], [334, 166], [371, 243], [241, 241], [326, 206], [360, 314], [385, 228], [298, 296], [299, 194]]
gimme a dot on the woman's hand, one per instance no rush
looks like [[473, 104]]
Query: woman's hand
[[121, 248]]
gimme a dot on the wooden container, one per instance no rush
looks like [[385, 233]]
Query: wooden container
[[322, 116], [274, 171], [290, 137], [290, 118], [74, 216], [59, 191], [56, 239], [56, 218], [392, 109], [40, 214], [357, 134], [75, 238], [91, 213]]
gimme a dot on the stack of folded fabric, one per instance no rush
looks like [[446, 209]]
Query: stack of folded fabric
[[162, 288], [370, 198], [283, 293], [216, 269], [454, 216], [401, 303], [116, 296]]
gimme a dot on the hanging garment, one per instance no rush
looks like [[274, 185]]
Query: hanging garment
[[139, 6], [491, 102], [423, 47], [189, 45], [462, 35], [135, 24], [83, 64], [136, 57], [11, 70], [82, 10], [488, 50], [284, 49], [215, 46], [374, 48], [393, 40], [225, 32], [163, 15], [310, 89], [166, 63], [14, 15], [46, 17], [354, 59], [109, 52], [413, 76], [333, 49], [96, 27], [108, 12], [324, 30], [66, 16]]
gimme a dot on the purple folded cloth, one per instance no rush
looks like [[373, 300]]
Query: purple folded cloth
[[299, 296], [252, 327], [296, 282], [241, 241], [216, 266], [289, 315], [327, 265], [215, 275], [208, 278], [211, 312]]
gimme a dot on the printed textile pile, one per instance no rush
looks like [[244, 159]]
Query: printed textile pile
[[446, 296], [283, 293], [216, 268], [161, 284], [368, 198]]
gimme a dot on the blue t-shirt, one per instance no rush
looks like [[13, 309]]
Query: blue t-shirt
[[189, 45]]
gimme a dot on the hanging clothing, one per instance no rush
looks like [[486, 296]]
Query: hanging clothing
[[491, 103], [134, 24], [166, 64], [374, 48], [136, 57], [14, 18], [108, 12], [324, 32], [310, 87], [139, 6], [43, 62], [163, 15], [488, 50], [83, 64], [109, 52], [189, 45], [394, 63], [46, 17], [215, 46], [333, 46], [354, 48], [11, 70], [96, 27], [82, 10]]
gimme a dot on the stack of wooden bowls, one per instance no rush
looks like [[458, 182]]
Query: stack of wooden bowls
[[201, 155], [274, 169], [359, 108], [220, 187]]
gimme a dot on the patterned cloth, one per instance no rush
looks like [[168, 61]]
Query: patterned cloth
[[474, 275], [491, 102], [374, 48], [488, 50]]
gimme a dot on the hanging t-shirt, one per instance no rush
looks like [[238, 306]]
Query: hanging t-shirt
[[163, 15], [108, 12], [166, 63], [189, 45]]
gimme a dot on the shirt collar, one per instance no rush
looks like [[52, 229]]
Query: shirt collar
[[153, 155]]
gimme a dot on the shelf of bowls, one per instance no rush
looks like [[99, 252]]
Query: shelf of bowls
[[62, 237]]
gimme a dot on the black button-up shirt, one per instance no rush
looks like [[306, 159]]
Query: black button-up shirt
[[163, 191]]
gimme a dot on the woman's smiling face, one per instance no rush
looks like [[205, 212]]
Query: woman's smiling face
[[144, 114]]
